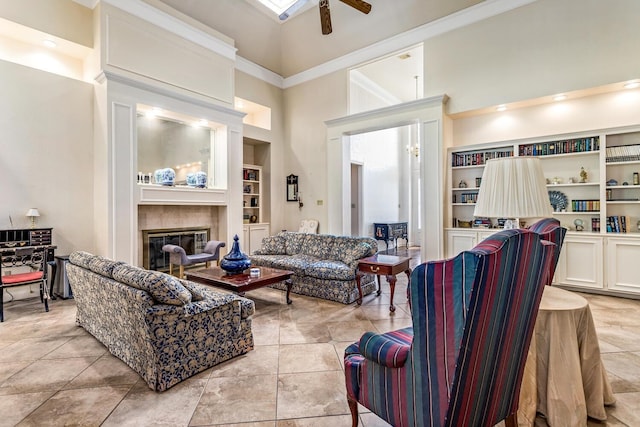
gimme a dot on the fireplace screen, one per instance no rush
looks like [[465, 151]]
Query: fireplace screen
[[192, 240]]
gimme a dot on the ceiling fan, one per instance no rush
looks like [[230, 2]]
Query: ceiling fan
[[325, 12]]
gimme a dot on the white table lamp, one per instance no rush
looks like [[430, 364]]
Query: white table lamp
[[513, 188], [33, 213]]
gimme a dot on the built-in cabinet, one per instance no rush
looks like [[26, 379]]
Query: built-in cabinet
[[253, 235], [593, 185], [253, 229]]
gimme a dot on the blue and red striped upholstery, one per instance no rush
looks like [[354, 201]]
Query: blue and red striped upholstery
[[473, 317], [551, 230]]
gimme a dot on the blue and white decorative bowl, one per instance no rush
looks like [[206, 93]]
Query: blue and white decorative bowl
[[191, 179], [166, 176]]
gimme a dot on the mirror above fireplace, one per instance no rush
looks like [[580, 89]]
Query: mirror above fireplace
[[185, 144]]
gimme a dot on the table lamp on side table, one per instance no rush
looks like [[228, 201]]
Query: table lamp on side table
[[513, 188]]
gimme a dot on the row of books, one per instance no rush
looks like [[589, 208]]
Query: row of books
[[579, 145], [618, 224], [477, 158], [466, 198], [249, 175], [585, 205], [595, 224], [623, 153]]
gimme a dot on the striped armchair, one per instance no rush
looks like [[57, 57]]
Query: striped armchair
[[551, 230], [461, 363]]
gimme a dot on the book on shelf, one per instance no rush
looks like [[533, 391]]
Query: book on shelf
[[477, 158], [585, 205], [595, 224], [623, 153], [577, 145], [617, 224]]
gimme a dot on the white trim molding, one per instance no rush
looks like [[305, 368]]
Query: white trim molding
[[259, 72], [175, 25]]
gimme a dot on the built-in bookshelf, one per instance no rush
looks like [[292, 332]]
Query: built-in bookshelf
[[593, 179], [590, 176], [251, 194]]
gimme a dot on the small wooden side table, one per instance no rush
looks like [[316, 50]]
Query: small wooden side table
[[387, 265]]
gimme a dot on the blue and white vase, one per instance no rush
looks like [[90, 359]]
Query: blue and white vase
[[197, 179], [235, 262], [166, 176], [201, 179]]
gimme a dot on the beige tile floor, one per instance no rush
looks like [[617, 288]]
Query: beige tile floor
[[54, 373]]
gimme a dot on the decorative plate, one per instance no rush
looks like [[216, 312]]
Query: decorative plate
[[558, 200]]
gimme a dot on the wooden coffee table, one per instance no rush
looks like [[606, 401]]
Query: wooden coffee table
[[387, 265], [243, 282]]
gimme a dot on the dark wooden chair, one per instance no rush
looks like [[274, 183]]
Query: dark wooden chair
[[28, 266]]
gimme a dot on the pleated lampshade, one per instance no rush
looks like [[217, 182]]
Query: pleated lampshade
[[513, 187]]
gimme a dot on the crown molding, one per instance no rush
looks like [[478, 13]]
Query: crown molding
[[259, 72], [91, 4], [468, 16], [174, 25]]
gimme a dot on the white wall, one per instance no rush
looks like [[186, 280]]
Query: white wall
[[47, 150], [307, 106], [381, 176], [543, 48], [596, 112]]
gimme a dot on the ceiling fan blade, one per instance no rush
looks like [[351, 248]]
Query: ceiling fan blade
[[360, 5], [292, 9], [325, 16]]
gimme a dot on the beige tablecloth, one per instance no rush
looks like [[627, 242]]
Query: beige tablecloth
[[564, 377]]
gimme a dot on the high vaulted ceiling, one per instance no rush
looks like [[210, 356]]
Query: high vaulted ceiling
[[298, 44]]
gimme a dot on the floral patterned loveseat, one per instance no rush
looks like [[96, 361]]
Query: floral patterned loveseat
[[324, 266], [164, 328]]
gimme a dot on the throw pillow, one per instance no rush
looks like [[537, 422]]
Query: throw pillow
[[167, 289], [163, 288]]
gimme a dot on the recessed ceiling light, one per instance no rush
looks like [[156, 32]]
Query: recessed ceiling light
[[501, 107], [632, 84], [49, 43], [560, 97], [404, 56]]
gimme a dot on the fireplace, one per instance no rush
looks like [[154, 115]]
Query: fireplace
[[191, 239]]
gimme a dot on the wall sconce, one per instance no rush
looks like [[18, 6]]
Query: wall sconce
[[415, 150], [33, 213]]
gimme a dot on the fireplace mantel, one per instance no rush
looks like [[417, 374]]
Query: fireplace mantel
[[159, 195]]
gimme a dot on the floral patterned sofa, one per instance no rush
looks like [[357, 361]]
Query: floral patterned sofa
[[324, 266], [164, 328]]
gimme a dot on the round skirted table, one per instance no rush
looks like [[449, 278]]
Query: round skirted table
[[564, 378]]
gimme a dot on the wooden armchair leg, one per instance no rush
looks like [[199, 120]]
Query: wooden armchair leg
[[511, 420], [353, 407], [182, 272], [170, 268]]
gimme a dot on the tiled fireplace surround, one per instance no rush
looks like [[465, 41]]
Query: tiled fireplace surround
[[153, 217]]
